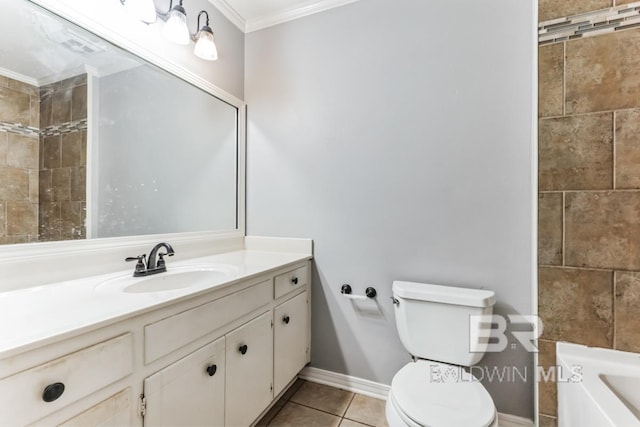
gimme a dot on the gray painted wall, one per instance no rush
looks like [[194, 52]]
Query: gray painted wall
[[398, 135]]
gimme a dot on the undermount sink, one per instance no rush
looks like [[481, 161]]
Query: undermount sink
[[175, 278]]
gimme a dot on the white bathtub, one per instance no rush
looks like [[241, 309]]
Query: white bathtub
[[597, 387]]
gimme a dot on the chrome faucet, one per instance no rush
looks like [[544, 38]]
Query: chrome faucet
[[146, 267]]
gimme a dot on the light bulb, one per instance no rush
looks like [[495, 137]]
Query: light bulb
[[205, 46], [144, 10], [175, 29]]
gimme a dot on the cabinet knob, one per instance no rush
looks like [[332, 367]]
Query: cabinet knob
[[52, 392], [294, 280], [243, 349], [211, 370], [286, 319]]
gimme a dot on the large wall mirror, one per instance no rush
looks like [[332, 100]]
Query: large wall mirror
[[96, 142]]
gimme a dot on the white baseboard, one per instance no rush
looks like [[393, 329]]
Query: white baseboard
[[380, 391], [345, 382]]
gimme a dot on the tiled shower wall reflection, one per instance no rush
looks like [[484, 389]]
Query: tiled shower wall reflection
[[42, 160], [63, 159], [19, 161], [589, 191]]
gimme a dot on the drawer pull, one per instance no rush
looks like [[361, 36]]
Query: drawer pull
[[243, 349], [286, 319], [294, 280], [52, 392], [211, 370]]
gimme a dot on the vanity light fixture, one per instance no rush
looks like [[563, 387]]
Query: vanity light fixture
[[205, 46], [175, 28], [144, 10]]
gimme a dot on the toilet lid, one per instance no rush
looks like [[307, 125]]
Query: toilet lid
[[437, 394]]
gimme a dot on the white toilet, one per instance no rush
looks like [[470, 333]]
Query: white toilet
[[434, 327]]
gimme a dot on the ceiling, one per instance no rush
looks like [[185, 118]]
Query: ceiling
[[38, 49], [252, 15]]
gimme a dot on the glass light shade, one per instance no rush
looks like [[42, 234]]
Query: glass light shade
[[175, 29], [205, 46], [144, 10]]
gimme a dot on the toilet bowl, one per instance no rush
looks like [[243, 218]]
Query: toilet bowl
[[433, 394], [435, 390]]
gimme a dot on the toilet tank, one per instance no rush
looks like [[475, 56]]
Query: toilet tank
[[433, 321]]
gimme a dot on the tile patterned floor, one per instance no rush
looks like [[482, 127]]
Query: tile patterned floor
[[308, 404]]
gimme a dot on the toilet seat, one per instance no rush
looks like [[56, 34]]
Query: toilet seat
[[434, 394]]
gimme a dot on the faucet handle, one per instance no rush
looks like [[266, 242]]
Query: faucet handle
[[140, 265], [161, 262]]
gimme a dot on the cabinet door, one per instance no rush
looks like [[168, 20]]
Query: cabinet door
[[249, 371], [291, 333], [190, 391]]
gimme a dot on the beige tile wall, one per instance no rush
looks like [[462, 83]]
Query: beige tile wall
[[63, 162], [551, 9], [42, 179], [19, 161], [589, 191]]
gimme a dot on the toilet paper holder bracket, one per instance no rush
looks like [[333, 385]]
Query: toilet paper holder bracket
[[370, 292]]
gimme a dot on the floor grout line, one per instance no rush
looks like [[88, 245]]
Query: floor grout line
[[316, 409], [356, 421], [341, 418], [353, 395]]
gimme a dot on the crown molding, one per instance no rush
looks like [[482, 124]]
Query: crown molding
[[268, 20], [230, 13], [46, 80], [20, 77], [294, 13]]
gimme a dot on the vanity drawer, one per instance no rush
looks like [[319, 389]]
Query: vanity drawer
[[192, 324], [82, 373], [291, 280]]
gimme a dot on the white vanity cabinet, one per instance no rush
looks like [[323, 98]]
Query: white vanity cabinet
[[261, 356], [249, 371], [190, 391], [32, 394], [218, 358], [290, 339], [188, 326]]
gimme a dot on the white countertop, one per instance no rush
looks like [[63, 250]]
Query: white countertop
[[39, 315]]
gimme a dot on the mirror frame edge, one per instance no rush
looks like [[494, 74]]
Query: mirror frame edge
[[12, 252]]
